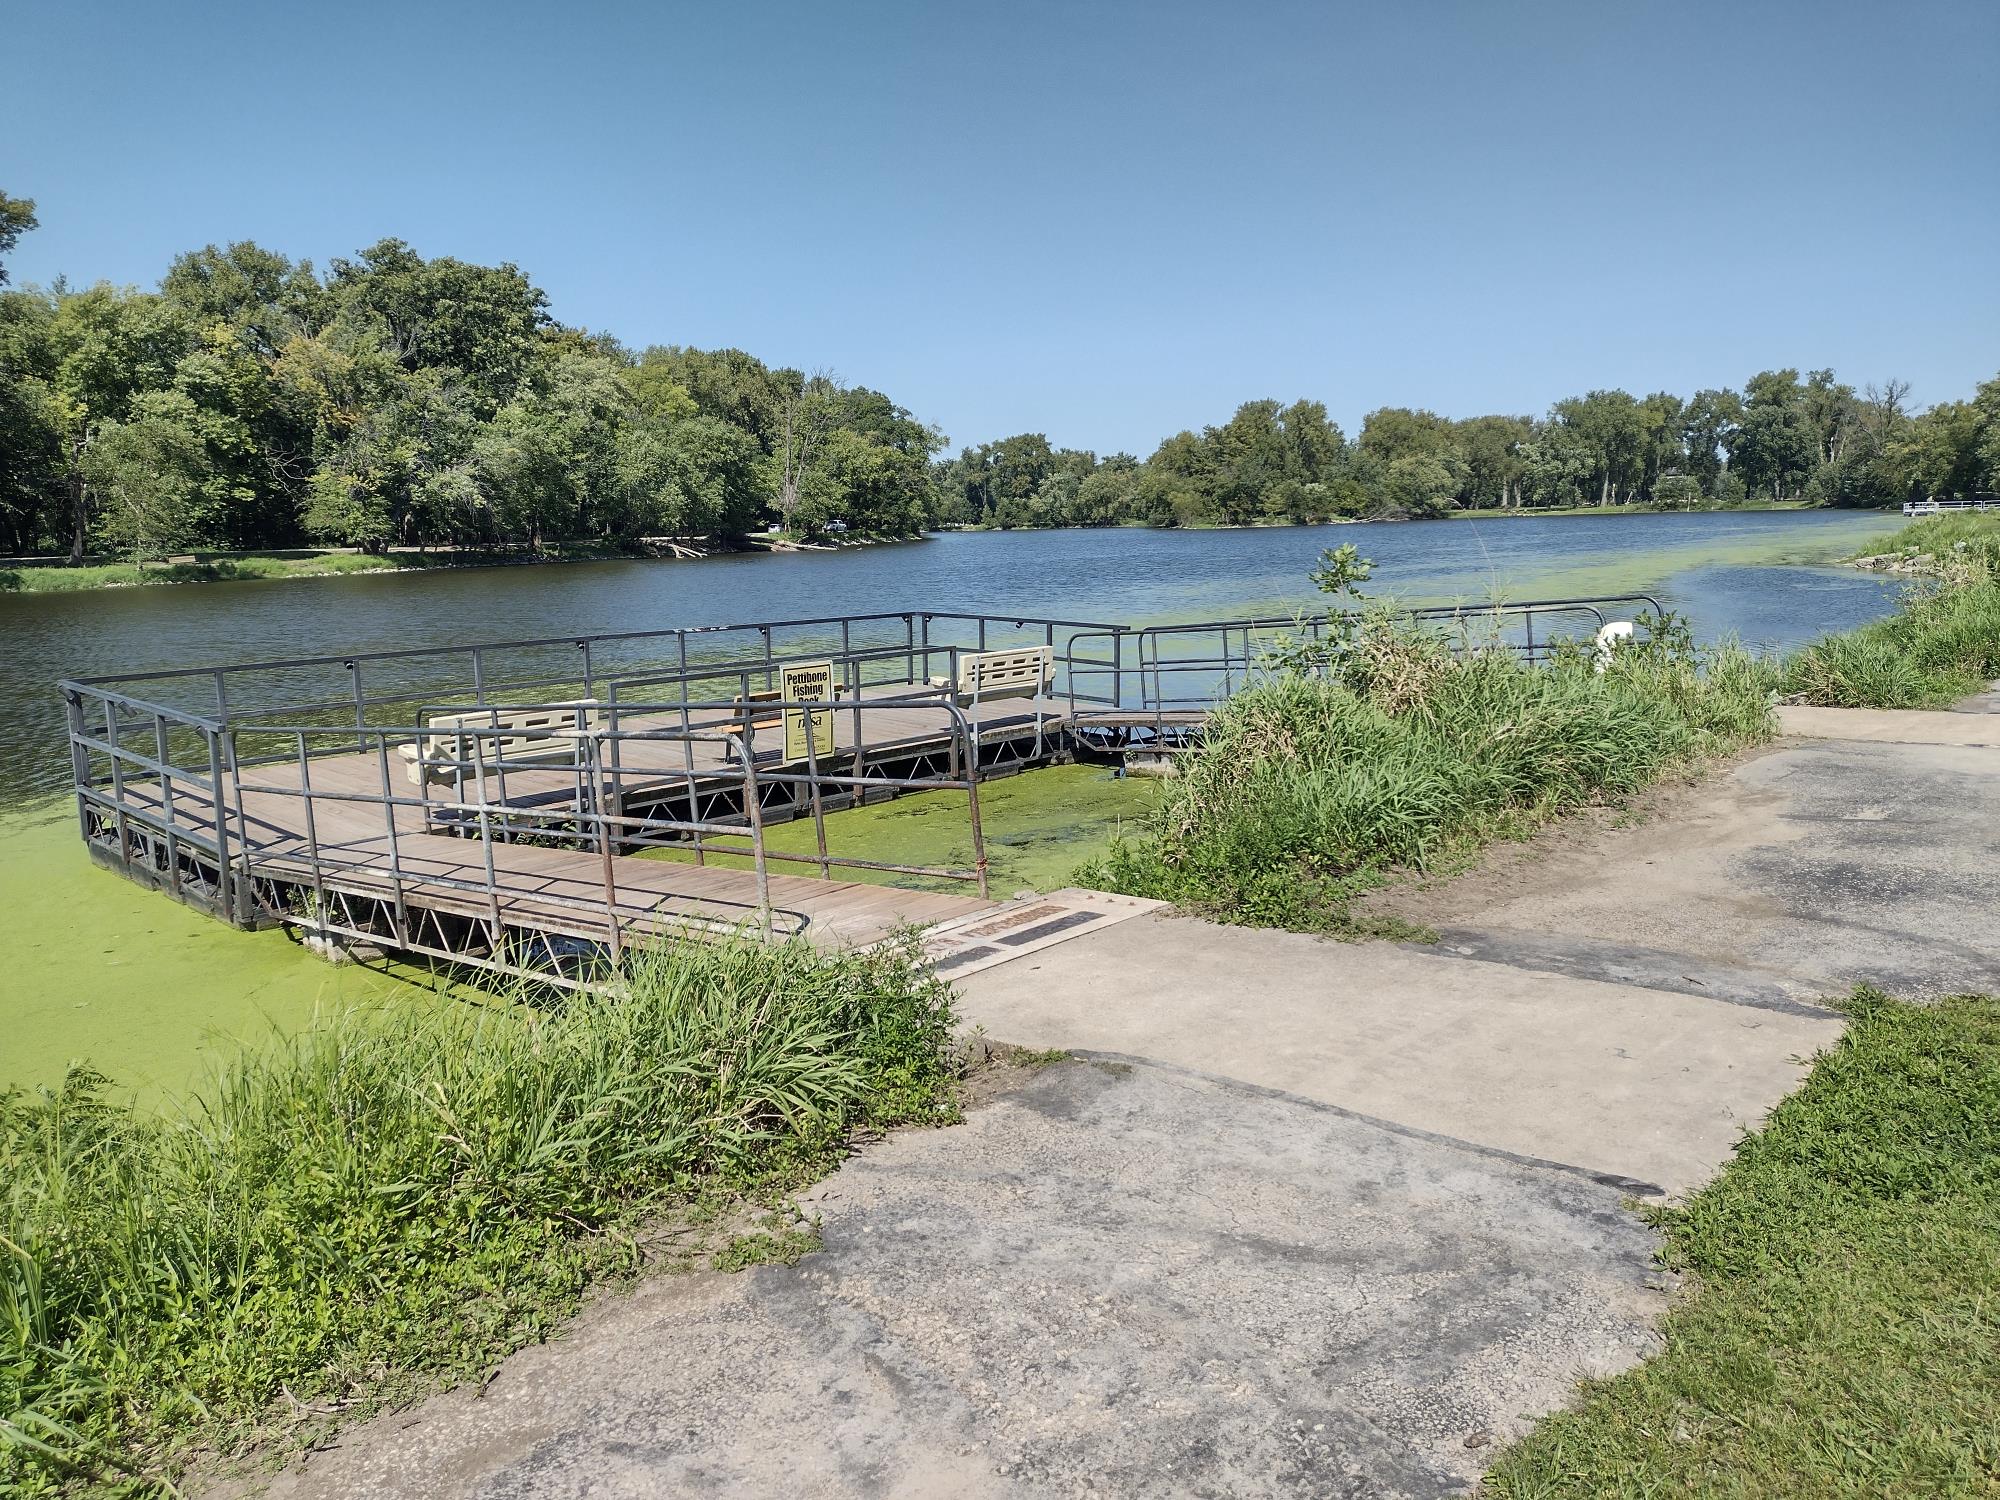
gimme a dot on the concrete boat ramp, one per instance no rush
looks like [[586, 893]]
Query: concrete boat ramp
[[1298, 1217]]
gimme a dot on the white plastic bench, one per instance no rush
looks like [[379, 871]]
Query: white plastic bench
[[1027, 672], [449, 753]]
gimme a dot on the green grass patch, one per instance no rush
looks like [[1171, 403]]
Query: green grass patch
[[1307, 789], [394, 1199], [227, 567], [1942, 646], [1038, 827], [209, 568], [1842, 1335]]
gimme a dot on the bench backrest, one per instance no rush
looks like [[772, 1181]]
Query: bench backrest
[[1026, 672], [447, 737]]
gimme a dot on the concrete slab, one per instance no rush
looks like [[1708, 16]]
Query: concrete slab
[[1987, 702], [1803, 871], [1122, 1281], [1643, 1087], [1901, 726]]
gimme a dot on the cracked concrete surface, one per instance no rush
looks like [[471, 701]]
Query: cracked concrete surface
[[1117, 1279]]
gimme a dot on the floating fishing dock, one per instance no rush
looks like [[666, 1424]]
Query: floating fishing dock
[[536, 808]]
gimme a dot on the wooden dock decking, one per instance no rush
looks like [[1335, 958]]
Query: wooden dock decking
[[354, 827]]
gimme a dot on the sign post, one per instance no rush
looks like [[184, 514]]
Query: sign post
[[807, 728]]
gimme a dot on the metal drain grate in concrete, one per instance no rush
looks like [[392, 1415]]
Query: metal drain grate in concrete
[[1027, 925]]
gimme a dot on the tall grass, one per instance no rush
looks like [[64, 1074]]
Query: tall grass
[[409, 1195], [1961, 534], [1942, 646], [1308, 786], [1843, 1337]]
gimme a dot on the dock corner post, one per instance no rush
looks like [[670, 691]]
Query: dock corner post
[[312, 840], [754, 811], [978, 834], [79, 759], [589, 676], [224, 876], [607, 861], [818, 800], [401, 905], [246, 889], [360, 707]]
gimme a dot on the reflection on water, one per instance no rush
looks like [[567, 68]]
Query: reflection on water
[[1716, 568]]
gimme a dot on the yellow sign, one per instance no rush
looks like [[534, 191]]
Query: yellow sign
[[807, 682]]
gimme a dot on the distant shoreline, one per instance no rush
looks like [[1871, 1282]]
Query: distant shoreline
[[52, 576]]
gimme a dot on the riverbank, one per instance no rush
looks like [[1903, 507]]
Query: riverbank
[[51, 576], [1751, 507], [396, 1199]]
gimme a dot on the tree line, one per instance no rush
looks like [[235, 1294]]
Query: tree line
[[1782, 437], [250, 401]]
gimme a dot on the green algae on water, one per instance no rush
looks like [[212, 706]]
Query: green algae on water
[[1037, 826], [150, 993]]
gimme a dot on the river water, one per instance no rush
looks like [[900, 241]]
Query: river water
[[1740, 574]]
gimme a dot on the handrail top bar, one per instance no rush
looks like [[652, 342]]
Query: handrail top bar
[[1486, 607], [91, 685], [343, 658], [553, 731], [108, 687]]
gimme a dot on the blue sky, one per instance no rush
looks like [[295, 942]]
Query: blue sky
[[1101, 221]]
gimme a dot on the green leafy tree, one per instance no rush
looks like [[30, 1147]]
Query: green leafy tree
[[696, 477], [17, 217], [1709, 424], [150, 475], [1775, 449]]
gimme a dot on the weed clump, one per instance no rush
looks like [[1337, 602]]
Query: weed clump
[[1392, 744], [407, 1196], [1944, 644]]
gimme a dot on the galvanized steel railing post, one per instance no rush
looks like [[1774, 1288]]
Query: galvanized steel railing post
[[79, 759], [312, 836], [607, 861], [754, 811], [167, 804], [395, 845], [972, 803], [813, 790], [225, 877], [117, 785]]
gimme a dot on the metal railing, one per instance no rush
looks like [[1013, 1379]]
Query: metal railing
[[267, 808], [189, 758], [1185, 669], [369, 859], [1944, 507], [362, 684]]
